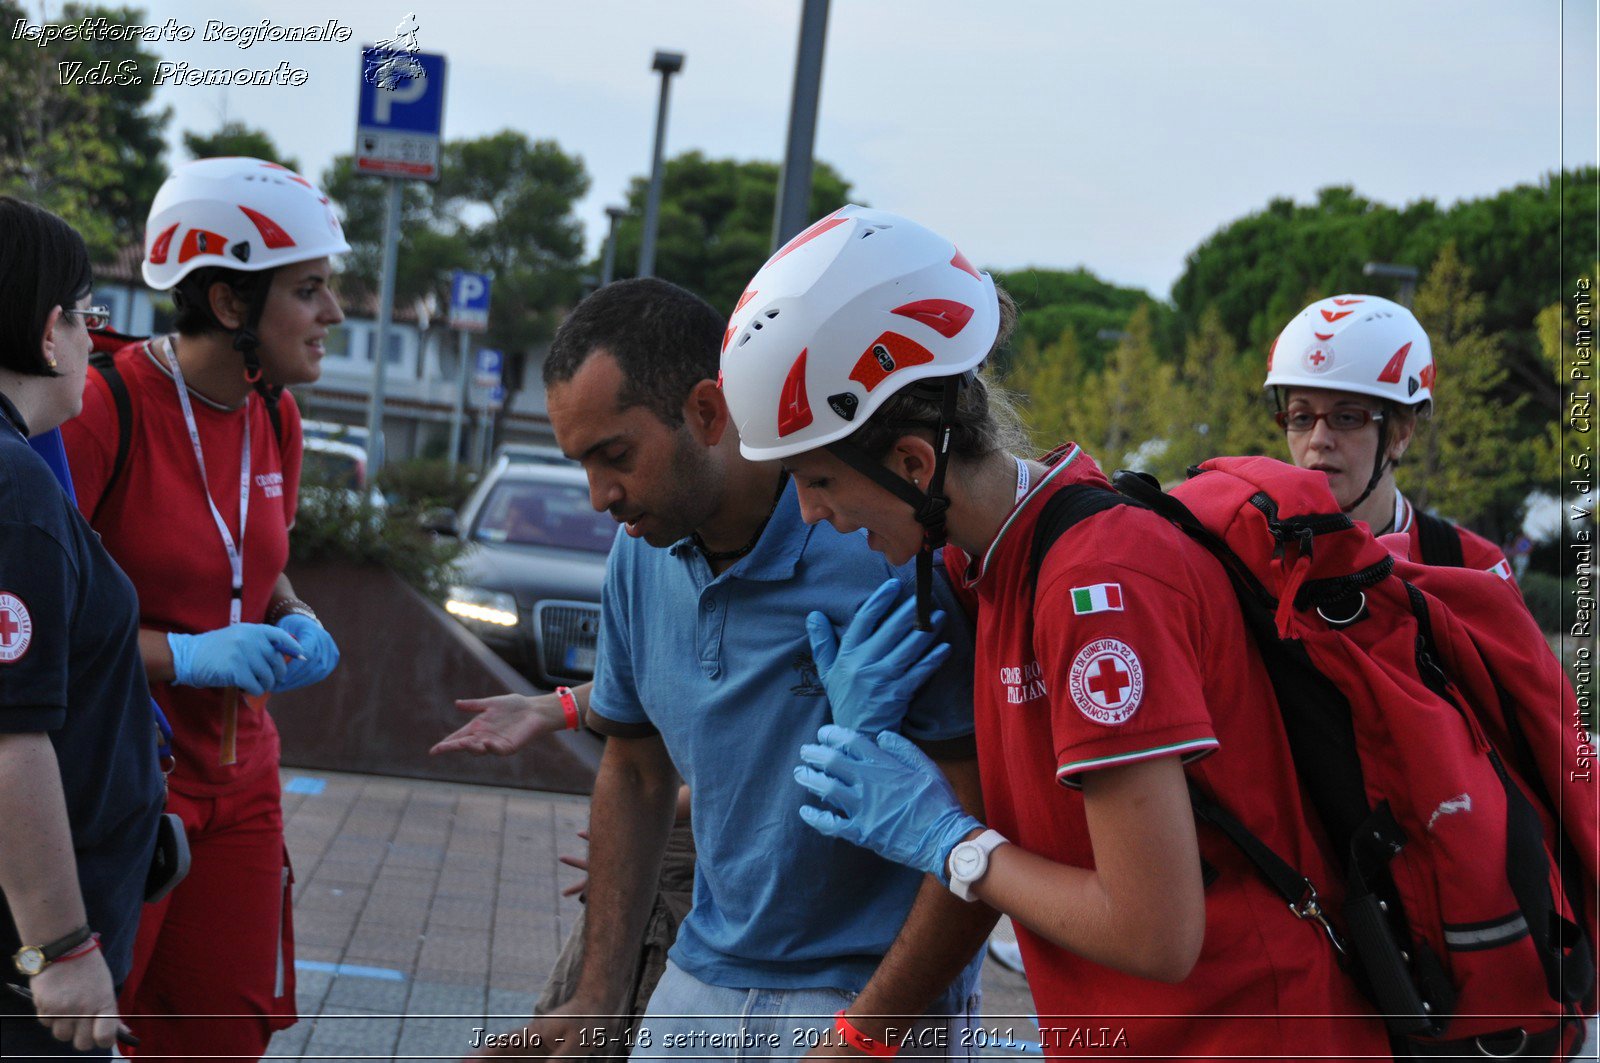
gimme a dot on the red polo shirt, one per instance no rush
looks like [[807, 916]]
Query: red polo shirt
[[1136, 649], [156, 524]]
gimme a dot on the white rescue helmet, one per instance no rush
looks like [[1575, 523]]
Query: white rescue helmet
[[238, 212], [1357, 343], [849, 312]]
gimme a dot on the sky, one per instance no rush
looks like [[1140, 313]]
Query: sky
[[1058, 133]]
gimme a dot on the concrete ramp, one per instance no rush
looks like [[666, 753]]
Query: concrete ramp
[[403, 662]]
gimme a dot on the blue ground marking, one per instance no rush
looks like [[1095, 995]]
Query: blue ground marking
[[305, 784], [353, 970]]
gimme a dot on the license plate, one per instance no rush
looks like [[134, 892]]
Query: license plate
[[580, 659]]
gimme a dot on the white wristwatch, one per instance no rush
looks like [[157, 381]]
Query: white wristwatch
[[969, 862]]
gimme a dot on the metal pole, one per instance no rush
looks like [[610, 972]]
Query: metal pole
[[668, 63], [459, 412], [380, 357], [608, 262], [793, 209]]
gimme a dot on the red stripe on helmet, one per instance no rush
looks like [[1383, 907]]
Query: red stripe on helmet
[[200, 242], [290, 174], [726, 336], [887, 354], [944, 316], [1345, 302], [163, 244], [1391, 372], [816, 230], [749, 294], [1331, 317], [1323, 336], [1427, 375], [794, 409], [960, 262], [272, 233]]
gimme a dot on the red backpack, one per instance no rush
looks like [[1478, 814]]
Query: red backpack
[[1434, 733]]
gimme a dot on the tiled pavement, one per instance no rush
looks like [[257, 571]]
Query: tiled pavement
[[424, 910]]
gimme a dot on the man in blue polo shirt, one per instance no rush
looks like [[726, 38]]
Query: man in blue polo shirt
[[705, 664]]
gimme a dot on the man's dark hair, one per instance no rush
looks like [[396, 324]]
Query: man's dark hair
[[43, 264], [664, 338]]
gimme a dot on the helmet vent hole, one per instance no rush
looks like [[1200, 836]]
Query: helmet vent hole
[[743, 340], [756, 325], [771, 314]]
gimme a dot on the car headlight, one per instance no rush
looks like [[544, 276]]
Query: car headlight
[[493, 608]]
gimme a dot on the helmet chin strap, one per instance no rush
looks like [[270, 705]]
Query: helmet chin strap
[[931, 506], [248, 344], [1379, 465]]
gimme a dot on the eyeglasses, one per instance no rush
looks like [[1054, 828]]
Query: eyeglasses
[[1343, 419], [94, 317]]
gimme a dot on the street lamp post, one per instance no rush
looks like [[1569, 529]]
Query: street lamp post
[[793, 211], [668, 63], [608, 261], [1406, 275]]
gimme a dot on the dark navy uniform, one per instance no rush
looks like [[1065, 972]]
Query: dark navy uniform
[[70, 667]]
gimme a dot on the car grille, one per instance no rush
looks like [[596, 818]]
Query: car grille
[[565, 635]]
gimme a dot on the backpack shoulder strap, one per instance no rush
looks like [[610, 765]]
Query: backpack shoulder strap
[[1064, 510], [106, 366], [1441, 541], [272, 396]]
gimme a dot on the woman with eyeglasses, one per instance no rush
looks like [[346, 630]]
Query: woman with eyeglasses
[[80, 784], [1352, 376], [194, 495]]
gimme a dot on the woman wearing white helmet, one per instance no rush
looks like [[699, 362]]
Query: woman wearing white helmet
[[1352, 376], [187, 462], [853, 358]]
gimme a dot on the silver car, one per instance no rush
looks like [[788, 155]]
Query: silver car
[[531, 576]]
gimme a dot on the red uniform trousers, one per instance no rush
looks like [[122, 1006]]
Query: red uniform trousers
[[213, 965]]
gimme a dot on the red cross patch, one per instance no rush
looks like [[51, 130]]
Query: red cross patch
[[16, 628], [1107, 681], [1317, 359]]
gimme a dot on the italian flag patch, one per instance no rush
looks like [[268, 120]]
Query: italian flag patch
[[1503, 570], [1100, 598]]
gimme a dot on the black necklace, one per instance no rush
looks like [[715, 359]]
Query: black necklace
[[734, 555]]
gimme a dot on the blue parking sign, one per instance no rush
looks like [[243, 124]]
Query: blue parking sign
[[400, 113], [469, 301], [486, 371]]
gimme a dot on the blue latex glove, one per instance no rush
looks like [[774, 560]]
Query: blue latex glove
[[247, 656], [321, 653], [892, 798], [873, 672]]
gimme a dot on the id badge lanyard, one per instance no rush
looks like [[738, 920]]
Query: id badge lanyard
[[228, 751], [235, 549]]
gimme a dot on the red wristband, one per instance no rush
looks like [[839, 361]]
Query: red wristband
[[860, 1041], [81, 951], [569, 705]]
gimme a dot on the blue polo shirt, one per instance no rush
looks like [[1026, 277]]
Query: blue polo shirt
[[721, 667], [70, 668]]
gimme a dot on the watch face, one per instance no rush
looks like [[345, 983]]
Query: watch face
[[967, 860], [29, 960]]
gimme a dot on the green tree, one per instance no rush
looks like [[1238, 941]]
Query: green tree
[[1218, 405], [504, 205], [1464, 464], [1123, 414], [236, 138], [1052, 301], [715, 228], [91, 153], [1044, 380]]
